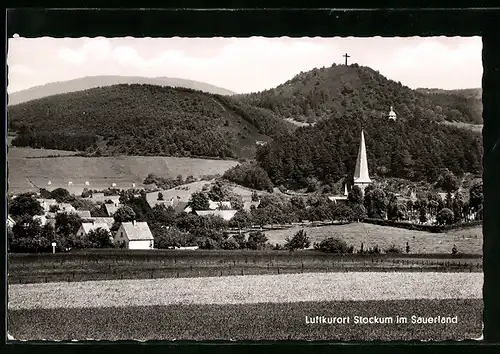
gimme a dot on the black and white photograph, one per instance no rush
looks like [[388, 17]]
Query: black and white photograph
[[245, 189]]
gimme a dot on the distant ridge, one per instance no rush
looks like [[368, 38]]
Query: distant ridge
[[88, 82]]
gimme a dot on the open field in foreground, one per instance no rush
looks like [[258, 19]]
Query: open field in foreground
[[467, 240], [136, 264], [269, 321], [27, 173], [248, 289]]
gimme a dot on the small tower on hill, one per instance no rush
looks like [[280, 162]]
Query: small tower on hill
[[392, 114], [346, 193], [361, 176]]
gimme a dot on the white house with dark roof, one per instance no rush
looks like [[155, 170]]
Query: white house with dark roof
[[46, 203], [135, 236], [90, 226]]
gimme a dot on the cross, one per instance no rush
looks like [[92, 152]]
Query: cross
[[346, 56]]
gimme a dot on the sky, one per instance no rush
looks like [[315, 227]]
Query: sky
[[244, 64]]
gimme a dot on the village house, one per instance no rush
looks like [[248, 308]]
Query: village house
[[66, 208], [112, 208], [41, 218], [134, 236], [101, 198], [46, 204], [219, 205], [224, 214], [84, 214], [90, 226]]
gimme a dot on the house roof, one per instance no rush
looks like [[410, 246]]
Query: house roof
[[48, 201], [136, 231], [89, 226], [216, 205], [225, 214], [83, 213], [111, 208], [104, 220], [66, 206], [179, 207]]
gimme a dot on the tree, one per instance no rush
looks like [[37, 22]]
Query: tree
[[255, 196], [355, 195], [199, 201], [445, 217], [476, 196], [26, 235], [160, 196], [256, 240], [241, 240], [448, 182], [61, 195], [422, 217], [358, 212], [67, 224], [162, 215], [298, 241], [124, 214], [100, 238], [241, 219], [230, 244], [25, 204], [54, 208], [376, 203], [333, 245]]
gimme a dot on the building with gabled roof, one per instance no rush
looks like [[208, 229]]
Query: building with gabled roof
[[90, 226], [84, 214], [66, 208], [135, 236], [224, 214], [361, 175], [112, 208], [46, 203]]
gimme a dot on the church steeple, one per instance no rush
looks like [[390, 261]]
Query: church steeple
[[361, 175]]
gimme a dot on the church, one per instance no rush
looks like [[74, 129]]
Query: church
[[361, 175]]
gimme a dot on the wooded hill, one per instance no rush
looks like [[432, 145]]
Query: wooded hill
[[342, 90], [144, 120], [417, 149], [88, 82], [467, 102]]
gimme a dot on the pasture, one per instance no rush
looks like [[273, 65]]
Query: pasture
[[30, 170], [246, 307], [467, 240]]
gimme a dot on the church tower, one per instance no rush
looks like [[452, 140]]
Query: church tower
[[392, 114], [361, 176]]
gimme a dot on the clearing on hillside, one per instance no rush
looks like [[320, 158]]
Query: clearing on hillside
[[29, 174]]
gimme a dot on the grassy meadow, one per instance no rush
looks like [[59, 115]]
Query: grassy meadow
[[467, 240], [30, 169]]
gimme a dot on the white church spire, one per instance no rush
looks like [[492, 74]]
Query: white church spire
[[361, 176], [392, 114]]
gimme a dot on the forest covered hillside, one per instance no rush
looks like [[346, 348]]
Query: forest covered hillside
[[88, 82], [416, 150], [467, 101], [341, 90], [143, 120]]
